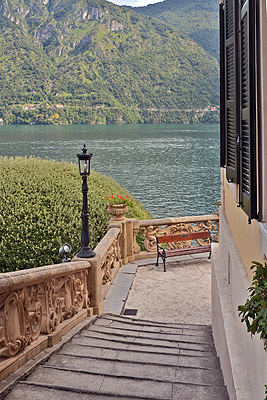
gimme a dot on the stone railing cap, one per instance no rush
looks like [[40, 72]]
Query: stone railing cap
[[18, 279]]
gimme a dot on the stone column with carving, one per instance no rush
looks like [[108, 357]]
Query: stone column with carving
[[122, 225]]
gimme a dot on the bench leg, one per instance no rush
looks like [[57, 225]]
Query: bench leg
[[209, 257], [164, 265], [157, 262]]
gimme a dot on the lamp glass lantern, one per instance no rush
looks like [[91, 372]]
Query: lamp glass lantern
[[84, 162]]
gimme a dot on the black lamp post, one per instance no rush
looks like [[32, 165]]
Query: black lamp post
[[84, 166]]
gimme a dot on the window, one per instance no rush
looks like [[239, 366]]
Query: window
[[238, 99]]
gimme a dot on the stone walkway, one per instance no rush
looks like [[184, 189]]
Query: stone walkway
[[121, 357], [182, 294]]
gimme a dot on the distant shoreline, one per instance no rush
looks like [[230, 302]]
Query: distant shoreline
[[103, 116]]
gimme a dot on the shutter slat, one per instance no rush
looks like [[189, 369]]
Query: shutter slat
[[222, 89], [248, 196], [229, 5], [238, 98], [231, 94]]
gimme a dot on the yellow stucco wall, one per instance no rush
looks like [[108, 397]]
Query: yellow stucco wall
[[246, 235]]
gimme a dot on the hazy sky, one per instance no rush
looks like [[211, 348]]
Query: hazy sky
[[134, 3]]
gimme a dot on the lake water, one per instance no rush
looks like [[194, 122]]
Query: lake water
[[172, 168]]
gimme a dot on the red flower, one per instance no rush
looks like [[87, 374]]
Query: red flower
[[117, 199]]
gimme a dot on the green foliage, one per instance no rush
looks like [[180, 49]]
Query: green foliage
[[41, 202], [104, 63], [211, 117], [197, 19], [116, 115], [129, 201], [254, 311]]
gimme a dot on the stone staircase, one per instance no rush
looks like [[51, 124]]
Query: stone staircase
[[119, 357]]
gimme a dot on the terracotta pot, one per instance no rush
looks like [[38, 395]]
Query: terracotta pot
[[118, 211]]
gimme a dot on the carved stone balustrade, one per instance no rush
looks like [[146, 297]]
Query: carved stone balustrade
[[39, 305], [37, 301], [109, 251], [172, 226]]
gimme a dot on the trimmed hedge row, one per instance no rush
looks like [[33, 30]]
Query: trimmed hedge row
[[40, 209]]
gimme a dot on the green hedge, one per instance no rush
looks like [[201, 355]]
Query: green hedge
[[41, 202]]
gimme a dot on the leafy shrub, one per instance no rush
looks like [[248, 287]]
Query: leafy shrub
[[41, 204], [254, 311]]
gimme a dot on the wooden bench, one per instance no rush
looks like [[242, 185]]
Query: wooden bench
[[164, 253]]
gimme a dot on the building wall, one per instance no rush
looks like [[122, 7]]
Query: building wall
[[243, 358], [246, 235]]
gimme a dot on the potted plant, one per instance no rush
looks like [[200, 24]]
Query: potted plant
[[118, 206]]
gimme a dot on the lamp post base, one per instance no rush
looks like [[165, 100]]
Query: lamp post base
[[86, 252]]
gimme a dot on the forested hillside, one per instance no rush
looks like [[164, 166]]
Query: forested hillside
[[197, 19], [91, 61]]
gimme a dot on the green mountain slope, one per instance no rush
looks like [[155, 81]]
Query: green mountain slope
[[197, 19], [95, 62], [23, 65]]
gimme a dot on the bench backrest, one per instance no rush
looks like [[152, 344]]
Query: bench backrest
[[184, 236]]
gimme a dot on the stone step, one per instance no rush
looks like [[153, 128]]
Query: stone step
[[142, 387], [141, 337], [148, 346], [118, 320], [180, 392], [208, 361], [146, 370], [124, 358], [31, 392], [153, 332]]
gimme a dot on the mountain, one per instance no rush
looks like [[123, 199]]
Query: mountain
[[90, 61], [197, 19]]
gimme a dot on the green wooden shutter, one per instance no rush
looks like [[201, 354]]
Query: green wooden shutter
[[231, 91], [222, 89], [248, 175]]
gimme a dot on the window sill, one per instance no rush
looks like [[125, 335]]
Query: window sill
[[234, 187]]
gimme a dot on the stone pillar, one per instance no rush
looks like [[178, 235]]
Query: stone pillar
[[132, 246], [127, 242], [136, 227], [95, 285], [129, 237], [122, 225], [123, 242]]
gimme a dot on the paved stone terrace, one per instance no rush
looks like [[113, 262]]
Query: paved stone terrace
[[120, 357]]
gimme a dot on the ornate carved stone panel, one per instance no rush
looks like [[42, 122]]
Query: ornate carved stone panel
[[20, 320], [178, 228], [26, 312], [111, 258], [136, 247]]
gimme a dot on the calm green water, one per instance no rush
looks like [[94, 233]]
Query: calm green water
[[172, 168]]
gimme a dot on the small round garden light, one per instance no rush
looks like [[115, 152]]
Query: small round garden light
[[64, 251], [84, 166]]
